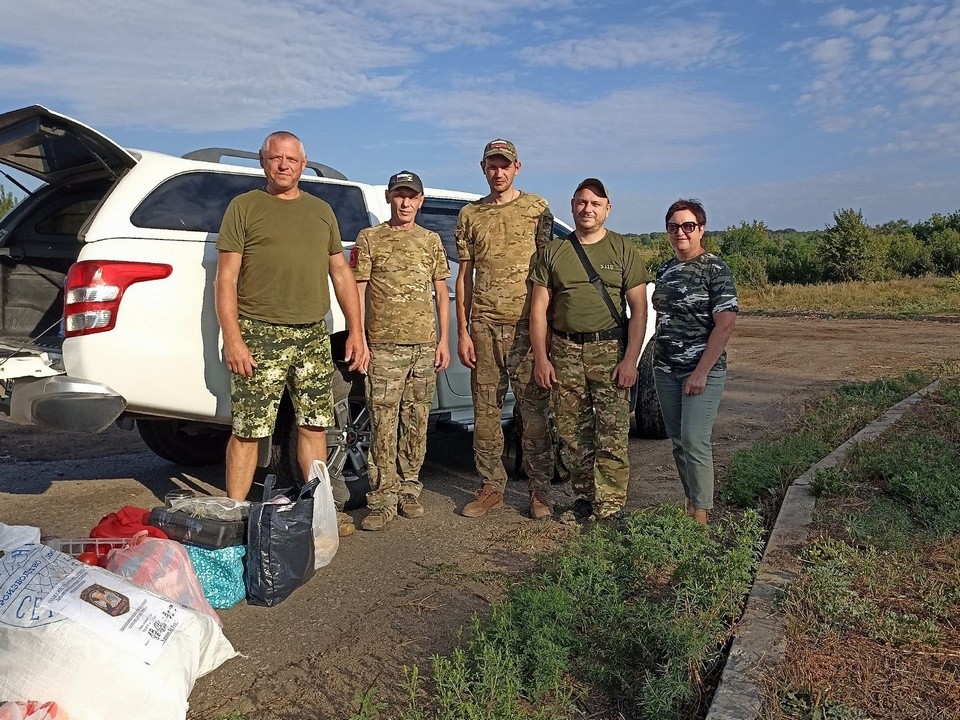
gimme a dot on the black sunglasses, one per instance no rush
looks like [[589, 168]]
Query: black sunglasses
[[688, 227]]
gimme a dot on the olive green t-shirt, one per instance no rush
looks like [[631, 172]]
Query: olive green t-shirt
[[401, 266], [576, 305], [502, 241], [286, 247]]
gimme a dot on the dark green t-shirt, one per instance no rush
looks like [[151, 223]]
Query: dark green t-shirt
[[576, 305], [286, 247]]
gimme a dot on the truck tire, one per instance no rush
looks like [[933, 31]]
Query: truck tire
[[649, 419], [348, 442], [185, 443]]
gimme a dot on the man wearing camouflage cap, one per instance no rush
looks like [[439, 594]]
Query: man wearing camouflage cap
[[397, 265], [591, 363], [498, 238]]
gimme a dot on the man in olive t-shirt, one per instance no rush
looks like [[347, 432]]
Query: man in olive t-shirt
[[276, 248], [592, 359]]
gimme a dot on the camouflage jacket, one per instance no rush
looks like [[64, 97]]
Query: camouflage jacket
[[686, 296], [503, 241], [401, 266]]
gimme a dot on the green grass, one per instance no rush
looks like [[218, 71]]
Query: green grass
[[898, 298], [625, 619], [760, 474], [873, 615]]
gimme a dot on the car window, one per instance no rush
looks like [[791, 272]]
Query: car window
[[441, 217], [197, 200]]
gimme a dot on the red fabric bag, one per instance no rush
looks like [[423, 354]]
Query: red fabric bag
[[126, 522]]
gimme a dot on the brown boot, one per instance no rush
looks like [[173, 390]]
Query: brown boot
[[540, 507], [345, 526], [409, 506], [487, 499], [377, 519], [699, 515]]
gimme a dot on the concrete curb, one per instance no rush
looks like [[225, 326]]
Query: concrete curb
[[759, 635]]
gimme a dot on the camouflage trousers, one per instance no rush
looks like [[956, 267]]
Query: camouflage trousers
[[294, 356], [400, 384], [504, 355], [593, 421]]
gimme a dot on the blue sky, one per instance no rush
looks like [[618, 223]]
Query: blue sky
[[777, 111]]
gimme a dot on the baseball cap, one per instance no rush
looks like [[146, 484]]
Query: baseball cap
[[501, 147], [594, 184], [405, 179]]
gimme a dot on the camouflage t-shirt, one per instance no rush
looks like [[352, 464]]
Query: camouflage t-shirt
[[686, 296], [575, 304], [502, 241], [400, 266]]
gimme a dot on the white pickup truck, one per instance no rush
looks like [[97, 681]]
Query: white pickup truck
[[106, 296]]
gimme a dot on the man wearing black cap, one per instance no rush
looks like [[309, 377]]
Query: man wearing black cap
[[498, 238], [398, 266], [593, 349]]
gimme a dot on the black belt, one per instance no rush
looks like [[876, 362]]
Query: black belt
[[618, 333]]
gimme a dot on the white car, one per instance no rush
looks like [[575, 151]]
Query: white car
[[107, 302]]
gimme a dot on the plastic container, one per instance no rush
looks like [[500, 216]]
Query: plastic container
[[177, 494], [75, 546], [205, 532]]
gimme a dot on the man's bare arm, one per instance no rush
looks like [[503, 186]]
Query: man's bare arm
[[464, 293], [236, 354]]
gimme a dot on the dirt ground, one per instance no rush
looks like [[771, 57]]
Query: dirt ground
[[396, 598]]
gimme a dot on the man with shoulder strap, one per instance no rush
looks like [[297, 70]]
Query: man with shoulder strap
[[591, 364], [499, 237]]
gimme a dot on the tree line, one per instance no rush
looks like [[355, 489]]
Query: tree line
[[849, 249]]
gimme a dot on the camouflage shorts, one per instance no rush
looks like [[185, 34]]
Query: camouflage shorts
[[294, 356]]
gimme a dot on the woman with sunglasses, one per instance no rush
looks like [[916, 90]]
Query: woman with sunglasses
[[696, 303]]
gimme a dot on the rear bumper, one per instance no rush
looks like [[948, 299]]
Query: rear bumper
[[63, 403]]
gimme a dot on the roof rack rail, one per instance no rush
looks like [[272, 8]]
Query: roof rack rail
[[216, 154]]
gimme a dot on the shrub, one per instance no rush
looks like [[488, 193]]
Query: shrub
[[797, 262], [908, 256], [945, 251], [747, 271]]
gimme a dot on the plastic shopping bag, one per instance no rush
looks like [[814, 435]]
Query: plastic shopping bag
[[326, 538], [279, 543], [220, 572], [164, 567]]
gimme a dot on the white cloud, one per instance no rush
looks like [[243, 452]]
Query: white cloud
[[908, 61], [872, 27], [839, 17], [645, 128], [881, 49], [832, 52], [676, 46], [229, 64], [233, 65]]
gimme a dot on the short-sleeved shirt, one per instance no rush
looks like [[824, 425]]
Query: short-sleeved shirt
[[502, 241], [686, 296], [401, 267], [576, 306], [286, 247]]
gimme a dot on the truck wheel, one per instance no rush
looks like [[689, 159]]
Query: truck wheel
[[348, 442], [649, 419], [185, 443]]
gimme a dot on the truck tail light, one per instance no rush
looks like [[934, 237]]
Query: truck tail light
[[94, 289]]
